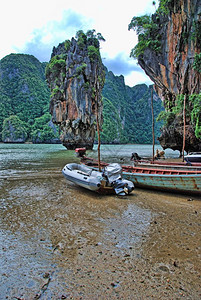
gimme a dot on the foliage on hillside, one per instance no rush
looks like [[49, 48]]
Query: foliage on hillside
[[192, 112], [43, 130], [25, 95], [23, 90], [127, 112], [14, 129]]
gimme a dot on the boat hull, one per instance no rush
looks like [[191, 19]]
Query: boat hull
[[82, 180], [107, 183], [172, 166], [171, 180], [190, 184], [193, 157]]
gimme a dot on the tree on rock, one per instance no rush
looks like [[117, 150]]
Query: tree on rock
[[14, 130]]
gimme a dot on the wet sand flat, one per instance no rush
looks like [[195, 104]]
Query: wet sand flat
[[59, 241]]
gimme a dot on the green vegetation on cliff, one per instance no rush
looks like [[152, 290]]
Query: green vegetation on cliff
[[76, 85], [14, 129], [23, 87], [146, 29], [24, 104], [43, 130], [149, 30], [192, 112], [168, 49], [23, 92], [127, 112]]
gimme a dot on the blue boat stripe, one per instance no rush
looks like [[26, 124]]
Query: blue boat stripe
[[188, 183]]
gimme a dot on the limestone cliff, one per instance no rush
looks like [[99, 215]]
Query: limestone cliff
[[172, 68], [172, 64], [75, 75]]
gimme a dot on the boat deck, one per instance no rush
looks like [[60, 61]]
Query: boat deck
[[159, 171], [148, 170]]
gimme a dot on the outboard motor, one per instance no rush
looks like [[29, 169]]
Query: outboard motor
[[121, 186], [80, 152]]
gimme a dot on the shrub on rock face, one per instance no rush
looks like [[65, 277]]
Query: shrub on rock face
[[14, 130], [44, 131], [45, 135], [76, 75]]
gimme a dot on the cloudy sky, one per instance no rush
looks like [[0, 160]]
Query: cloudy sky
[[34, 27]]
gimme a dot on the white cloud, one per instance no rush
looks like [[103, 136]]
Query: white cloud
[[52, 33], [135, 78], [35, 27], [121, 64]]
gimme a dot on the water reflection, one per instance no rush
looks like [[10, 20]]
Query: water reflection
[[122, 153]]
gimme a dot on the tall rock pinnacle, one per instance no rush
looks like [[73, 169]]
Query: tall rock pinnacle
[[76, 77]]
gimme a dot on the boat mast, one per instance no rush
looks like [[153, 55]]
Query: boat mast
[[153, 135], [184, 129], [99, 142], [97, 118]]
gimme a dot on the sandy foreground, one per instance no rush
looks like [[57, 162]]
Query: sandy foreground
[[59, 241]]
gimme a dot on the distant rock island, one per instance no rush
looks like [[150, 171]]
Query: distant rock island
[[25, 101]]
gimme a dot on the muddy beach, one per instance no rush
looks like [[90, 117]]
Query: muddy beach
[[59, 241]]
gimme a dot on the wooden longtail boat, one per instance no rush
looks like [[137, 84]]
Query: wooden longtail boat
[[168, 165], [181, 181]]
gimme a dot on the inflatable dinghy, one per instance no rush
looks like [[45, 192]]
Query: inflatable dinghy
[[107, 181]]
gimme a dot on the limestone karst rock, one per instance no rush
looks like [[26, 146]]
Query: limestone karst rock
[[76, 76], [171, 69], [176, 33]]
